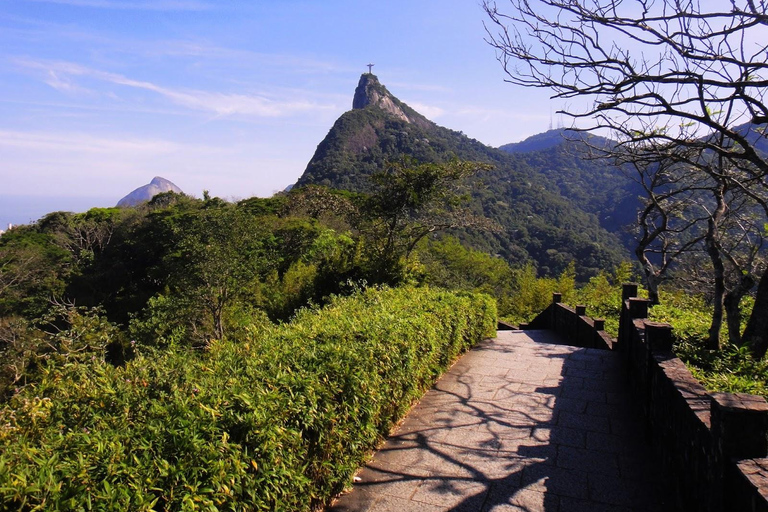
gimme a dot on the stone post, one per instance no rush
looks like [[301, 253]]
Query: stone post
[[638, 308], [658, 336], [739, 431], [599, 324], [557, 298], [581, 310], [628, 290]]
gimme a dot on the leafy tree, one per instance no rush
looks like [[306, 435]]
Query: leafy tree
[[219, 258], [409, 201], [33, 270], [448, 264]]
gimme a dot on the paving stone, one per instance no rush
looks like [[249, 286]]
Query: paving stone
[[450, 493], [593, 462], [584, 394], [394, 504], [561, 436], [576, 505], [584, 422], [521, 423], [521, 500], [494, 466], [559, 481]]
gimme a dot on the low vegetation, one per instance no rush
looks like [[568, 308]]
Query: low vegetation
[[279, 420]]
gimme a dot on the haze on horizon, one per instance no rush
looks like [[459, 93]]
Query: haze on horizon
[[99, 96]]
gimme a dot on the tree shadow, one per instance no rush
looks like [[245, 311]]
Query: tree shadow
[[523, 422]]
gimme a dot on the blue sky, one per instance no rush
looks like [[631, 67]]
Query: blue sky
[[99, 96]]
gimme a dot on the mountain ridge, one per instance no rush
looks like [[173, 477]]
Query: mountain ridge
[[538, 222]]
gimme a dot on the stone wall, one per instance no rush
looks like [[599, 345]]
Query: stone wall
[[713, 445], [574, 324]]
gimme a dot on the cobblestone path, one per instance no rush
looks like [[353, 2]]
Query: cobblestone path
[[520, 423]]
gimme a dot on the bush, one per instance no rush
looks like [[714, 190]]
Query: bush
[[279, 421], [731, 369]]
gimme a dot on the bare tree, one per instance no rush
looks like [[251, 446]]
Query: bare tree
[[655, 74]]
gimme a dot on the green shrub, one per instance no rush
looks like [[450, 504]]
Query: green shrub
[[730, 369], [277, 421]]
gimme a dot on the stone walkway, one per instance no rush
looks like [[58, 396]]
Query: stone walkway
[[520, 423]]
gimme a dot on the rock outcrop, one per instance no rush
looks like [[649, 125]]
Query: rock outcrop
[[158, 185], [370, 92]]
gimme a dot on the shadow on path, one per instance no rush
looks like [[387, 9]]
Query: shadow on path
[[522, 422]]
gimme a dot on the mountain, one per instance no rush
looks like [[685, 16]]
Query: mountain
[[563, 157], [538, 221], [142, 194], [552, 139]]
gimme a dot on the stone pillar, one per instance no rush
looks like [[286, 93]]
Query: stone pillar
[[599, 324], [739, 431], [658, 336], [740, 425], [581, 310], [638, 308], [557, 298], [628, 290]]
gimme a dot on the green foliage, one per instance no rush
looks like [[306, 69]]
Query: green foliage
[[532, 294], [448, 264], [278, 421], [408, 202], [33, 269], [731, 369], [602, 296], [66, 335]]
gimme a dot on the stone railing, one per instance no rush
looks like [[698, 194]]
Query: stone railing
[[714, 445], [572, 323]]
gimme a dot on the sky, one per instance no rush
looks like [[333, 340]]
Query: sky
[[99, 96]]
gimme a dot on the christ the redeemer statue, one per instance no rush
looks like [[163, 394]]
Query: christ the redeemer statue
[[370, 68]]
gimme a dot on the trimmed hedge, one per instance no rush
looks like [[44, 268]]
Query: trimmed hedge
[[277, 422]]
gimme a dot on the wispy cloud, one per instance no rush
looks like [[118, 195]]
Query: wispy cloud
[[85, 143], [429, 111], [148, 5], [62, 83], [59, 75]]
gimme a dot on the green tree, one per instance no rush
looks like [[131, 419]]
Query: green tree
[[219, 259], [409, 201]]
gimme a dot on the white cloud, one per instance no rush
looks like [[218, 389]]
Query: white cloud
[[85, 143], [62, 83], [59, 75], [429, 111]]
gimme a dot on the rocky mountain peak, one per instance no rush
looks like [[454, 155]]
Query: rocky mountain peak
[[370, 92], [147, 192]]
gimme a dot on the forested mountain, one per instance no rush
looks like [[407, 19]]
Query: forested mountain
[[594, 185], [540, 199]]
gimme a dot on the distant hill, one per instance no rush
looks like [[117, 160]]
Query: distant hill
[[594, 185], [144, 193], [539, 221]]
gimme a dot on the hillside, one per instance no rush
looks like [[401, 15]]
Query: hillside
[[539, 222], [594, 185]]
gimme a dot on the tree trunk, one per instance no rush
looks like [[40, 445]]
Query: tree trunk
[[732, 304], [713, 341], [756, 334]]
